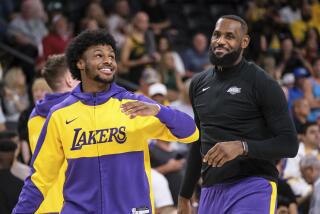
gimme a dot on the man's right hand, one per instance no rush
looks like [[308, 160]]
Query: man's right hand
[[184, 205]]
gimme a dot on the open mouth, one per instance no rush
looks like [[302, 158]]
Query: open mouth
[[107, 71]]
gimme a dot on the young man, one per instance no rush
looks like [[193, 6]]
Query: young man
[[60, 80], [101, 130], [245, 126]]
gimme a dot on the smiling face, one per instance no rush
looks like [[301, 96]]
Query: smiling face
[[97, 66], [227, 42]]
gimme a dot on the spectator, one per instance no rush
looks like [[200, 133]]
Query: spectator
[[26, 32], [290, 12], [309, 145], [196, 58], [18, 169], [165, 46], [300, 27], [169, 163], [139, 50], [300, 113], [118, 22], [16, 98], [286, 198], [312, 90], [159, 21], [58, 38], [162, 196], [298, 90], [310, 168], [10, 186], [38, 90], [96, 12], [149, 76]]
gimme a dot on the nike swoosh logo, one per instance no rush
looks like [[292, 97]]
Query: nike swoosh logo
[[204, 89], [70, 121]]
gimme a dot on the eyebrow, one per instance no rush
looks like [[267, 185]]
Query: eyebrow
[[98, 49]]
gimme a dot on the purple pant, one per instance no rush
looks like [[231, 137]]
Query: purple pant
[[252, 195]]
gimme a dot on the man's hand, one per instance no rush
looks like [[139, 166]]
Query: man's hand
[[184, 205], [139, 108], [223, 152]]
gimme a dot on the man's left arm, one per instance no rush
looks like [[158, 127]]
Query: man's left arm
[[274, 108]]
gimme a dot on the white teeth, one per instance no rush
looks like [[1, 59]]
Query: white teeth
[[106, 69]]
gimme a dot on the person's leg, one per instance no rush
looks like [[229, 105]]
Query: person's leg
[[251, 195], [211, 199]]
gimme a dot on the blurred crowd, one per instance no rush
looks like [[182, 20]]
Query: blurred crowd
[[161, 45]]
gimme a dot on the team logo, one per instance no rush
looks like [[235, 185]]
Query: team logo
[[84, 138], [234, 90]]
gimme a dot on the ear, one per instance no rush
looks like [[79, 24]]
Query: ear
[[245, 41], [80, 64], [68, 79]]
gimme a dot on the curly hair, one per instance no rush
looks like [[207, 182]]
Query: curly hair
[[82, 42]]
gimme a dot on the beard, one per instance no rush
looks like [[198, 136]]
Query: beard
[[226, 60], [99, 79]]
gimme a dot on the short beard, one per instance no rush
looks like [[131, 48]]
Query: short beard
[[227, 60], [98, 79], [106, 81]]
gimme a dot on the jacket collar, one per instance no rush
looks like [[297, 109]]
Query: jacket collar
[[96, 98]]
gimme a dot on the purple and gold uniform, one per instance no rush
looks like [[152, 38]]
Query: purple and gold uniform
[[108, 167], [53, 201]]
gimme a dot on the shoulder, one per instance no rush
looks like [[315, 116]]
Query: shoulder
[[128, 95], [202, 78], [64, 104]]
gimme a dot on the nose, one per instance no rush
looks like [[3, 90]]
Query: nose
[[107, 60], [221, 40]]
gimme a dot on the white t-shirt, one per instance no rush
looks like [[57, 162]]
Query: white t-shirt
[[161, 191], [293, 174]]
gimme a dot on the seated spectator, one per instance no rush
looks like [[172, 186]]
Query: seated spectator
[[25, 33], [196, 58], [162, 196], [312, 90], [297, 91], [310, 168], [158, 92], [300, 112], [118, 22], [139, 49], [170, 76], [10, 185], [169, 163], [149, 76], [164, 46], [16, 98], [159, 21], [18, 169], [285, 196], [39, 89], [58, 38], [291, 172]]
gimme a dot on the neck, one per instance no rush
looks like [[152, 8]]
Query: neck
[[94, 87], [310, 146]]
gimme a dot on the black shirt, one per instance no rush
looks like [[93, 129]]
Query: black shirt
[[10, 188], [239, 103]]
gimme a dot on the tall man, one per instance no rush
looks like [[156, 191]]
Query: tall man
[[60, 80], [245, 126], [101, 131]]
